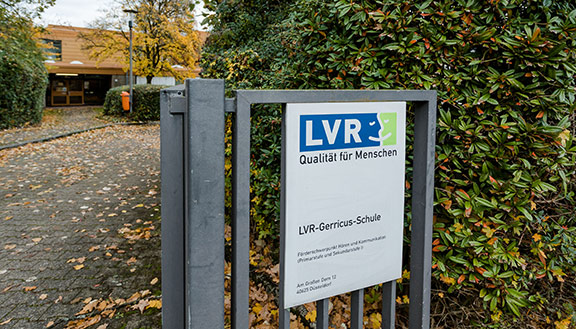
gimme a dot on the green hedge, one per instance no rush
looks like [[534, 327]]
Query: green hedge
[[146, 100], [504, 72], [505, 225], [23, 77]]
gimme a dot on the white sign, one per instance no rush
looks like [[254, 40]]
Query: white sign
[[344, 207]]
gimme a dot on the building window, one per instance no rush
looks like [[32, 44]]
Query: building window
[[52, 49]]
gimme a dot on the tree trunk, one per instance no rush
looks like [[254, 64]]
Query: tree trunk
[[149, 79]]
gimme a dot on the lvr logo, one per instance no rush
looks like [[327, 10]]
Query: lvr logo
[[341, 131]]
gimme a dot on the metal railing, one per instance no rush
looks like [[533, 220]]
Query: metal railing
[[193, 188]]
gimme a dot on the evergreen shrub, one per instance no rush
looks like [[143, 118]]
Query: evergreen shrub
[[505, 224], [23, 77], [146, 100]]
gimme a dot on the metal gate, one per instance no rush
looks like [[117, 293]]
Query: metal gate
[[193, 188]]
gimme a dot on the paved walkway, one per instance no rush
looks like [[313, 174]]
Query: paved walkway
[[56, 121], [79, 228]]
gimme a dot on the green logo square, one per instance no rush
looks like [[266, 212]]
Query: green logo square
[[388, 131]]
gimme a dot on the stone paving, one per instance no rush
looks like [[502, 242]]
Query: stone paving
[[55, 121], [79, 225]]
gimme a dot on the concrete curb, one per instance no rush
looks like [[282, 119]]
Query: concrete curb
[[70, 133]]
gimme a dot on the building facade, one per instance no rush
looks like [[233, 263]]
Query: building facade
[[75, 79]]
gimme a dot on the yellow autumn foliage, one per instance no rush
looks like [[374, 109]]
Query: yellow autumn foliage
[[164, 40]]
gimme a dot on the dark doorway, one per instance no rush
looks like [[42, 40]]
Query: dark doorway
[[77, 90], [95, 88]]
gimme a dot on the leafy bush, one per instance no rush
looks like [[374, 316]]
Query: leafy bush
[[113, 101], [23, 77], [146, 106], [245, 43], [505, 76], [505, 228]]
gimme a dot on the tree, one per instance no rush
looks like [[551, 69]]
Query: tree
[[24, 8], [165, 41]]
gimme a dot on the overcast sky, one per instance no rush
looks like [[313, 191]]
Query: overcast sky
[[76, 12]]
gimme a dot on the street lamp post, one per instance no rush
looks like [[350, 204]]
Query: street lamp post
[[131, 12]]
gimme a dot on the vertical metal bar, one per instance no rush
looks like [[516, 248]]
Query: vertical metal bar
[[322, 313], [357, 311], [205, 210], [284, 317], [172, 166], [241, 216], [131, 99], [422, 212], [389, 305]]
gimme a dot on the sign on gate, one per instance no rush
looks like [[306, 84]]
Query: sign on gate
[[344, 197], [342, 201]]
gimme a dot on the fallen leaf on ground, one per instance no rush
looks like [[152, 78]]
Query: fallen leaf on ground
[[155, 303], [83, 323], [88, 307], [8, 217], [49, 324], [142, 304], [43, 296], [109, 313], [134, 297], [154, 281], [76, 300], [311, 316], [5, 322], [78, 267], [9, 246], [102, 305], [30, 288]]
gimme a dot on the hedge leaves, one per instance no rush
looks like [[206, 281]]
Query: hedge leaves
[[504, 70]]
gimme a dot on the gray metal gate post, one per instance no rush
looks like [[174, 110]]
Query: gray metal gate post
[[172, 146], [192, 127], [193, 205]]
